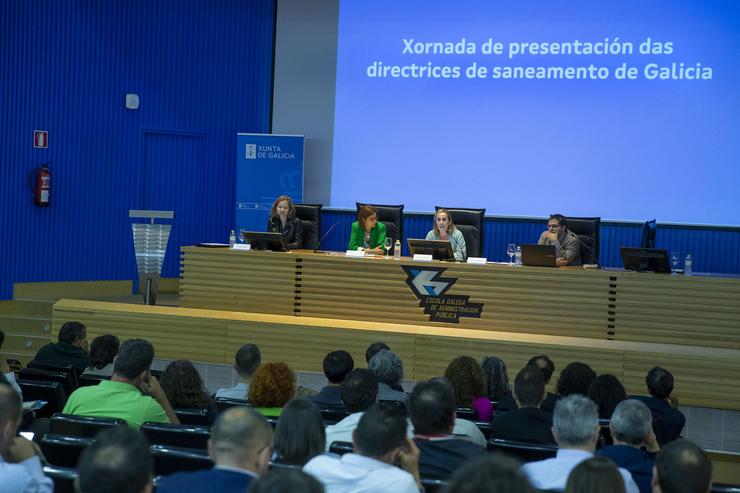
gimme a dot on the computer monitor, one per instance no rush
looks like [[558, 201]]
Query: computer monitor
[[649, 228], [645, 259], [438, 249], [260, 240]]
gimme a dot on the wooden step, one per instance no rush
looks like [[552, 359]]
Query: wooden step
[[22, 325], [23, 344], [33, 308]]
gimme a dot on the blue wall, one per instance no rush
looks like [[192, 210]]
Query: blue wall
[[203, 72]]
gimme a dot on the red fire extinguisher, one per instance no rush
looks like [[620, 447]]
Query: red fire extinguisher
[[41, 185]]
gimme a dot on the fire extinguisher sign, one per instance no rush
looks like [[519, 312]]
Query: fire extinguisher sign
[[40, 139]]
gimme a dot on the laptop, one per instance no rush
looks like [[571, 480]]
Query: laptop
[[538, 255], [645, 259], [438, 249], [265, 241]]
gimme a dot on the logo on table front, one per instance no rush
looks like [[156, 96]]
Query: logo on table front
[[251, 152], [430, 288]]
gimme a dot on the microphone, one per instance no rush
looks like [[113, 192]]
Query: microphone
[[457, 243], [318, 247]]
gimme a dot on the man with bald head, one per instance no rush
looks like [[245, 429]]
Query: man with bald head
[[240, 446]]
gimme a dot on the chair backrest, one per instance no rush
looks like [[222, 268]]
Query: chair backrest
[[68, 380], [389, 404], [63, 477], [466, 413], [193, 416], [45, 365], [333, 414], [283, 466], [81, 426], [87, 380], [185, 436], [524, 451], [63, 450], [169, 460], [470, 224], [587, 231], [725, 488], [649, 231], [433, 485], [392, 217], [223, 403], [340, 448], [51, 392], [310, 216]]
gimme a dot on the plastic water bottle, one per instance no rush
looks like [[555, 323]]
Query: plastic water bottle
[[518, 256], [232, 239], [397, 250], [688, 265]]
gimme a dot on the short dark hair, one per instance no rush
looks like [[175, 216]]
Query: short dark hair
[[117, 462], [494, 473], [279, 480], [659, 382], [103, 349], [71, 331], [595, 474], [682, 467], [374, 348], [529, 386], [359, 390], [575, 379], [606, 391], [134, 357], [433, 406], [544, 363], [10, 402], [299, 434], [379, 431], [247, 360], [337, 364], [559, 218]]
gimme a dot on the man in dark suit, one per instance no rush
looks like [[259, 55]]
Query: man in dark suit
[[240, 446], [668, 420], [545, 364], [528, 422], [337, 364]]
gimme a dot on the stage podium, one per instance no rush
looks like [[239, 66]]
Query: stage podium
[[150, 245]]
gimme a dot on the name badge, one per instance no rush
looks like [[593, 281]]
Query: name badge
[[422, 257], [477, 260], [355, 253]]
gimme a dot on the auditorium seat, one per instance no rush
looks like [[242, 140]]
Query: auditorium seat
[[524, 451], [392, 217], [185, 436], [63, 478], [587, 231], [282, 466], [223, 403], [340, 448], [169, 460], [87, 380], [81, 426], [388, 404], [433, 485], [470, 224], [51, 392], [63, 450], [193, 416], [68, 380], [310, 216], [466, 413], [43, 365], [725, 488], [333, 414]]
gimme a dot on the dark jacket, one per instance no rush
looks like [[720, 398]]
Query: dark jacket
[[440, 458], [528, 424], [292, 232], [330, 395], [638, 462], [507, 403], [62, 353], [221, 480], [667, 422]]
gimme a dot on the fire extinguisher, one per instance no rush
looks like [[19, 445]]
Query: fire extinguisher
[[41, 185]]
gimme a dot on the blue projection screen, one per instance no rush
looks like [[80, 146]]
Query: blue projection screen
[[624, 109]]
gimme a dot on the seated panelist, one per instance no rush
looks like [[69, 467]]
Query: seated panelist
[[283, 220], [444, 229], [367, 233], [567, 245]]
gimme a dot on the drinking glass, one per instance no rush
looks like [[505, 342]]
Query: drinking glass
[[511, 250], [674, 262], [388, 245]]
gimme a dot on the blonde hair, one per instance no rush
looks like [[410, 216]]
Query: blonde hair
[[450, 223]]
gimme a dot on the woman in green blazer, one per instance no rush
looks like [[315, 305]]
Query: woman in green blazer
[[367, 233]]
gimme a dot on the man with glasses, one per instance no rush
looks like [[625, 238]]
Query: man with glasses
[[567, 246]]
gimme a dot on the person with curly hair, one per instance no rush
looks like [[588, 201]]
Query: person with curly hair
[[606, 391], [184, 388], [575, 379], [469, 383], [497, 380], [102, 351], [271, 388]]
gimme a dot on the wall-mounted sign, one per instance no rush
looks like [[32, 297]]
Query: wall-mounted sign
[[40, 139], [430, 288]]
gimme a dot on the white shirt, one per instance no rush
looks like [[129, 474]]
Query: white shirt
[[353, 473], [10, 377], [552, 474], [238, 391], [342, 431], [24, 477]]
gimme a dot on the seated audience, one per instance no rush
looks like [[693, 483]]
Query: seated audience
[[576, 431], [70, 350], [103, 349], [286, 481], [527, 423], [467, 379], [433, 417], [489, 473], [299, 434], [121, 396], [184, 388], [606, 391], [380, 441], [117, 462], [368, 234], [240, 447], [682, 467], [284, 221], [575, 379], [246, 362], [20, 463], [388, 369], [373, 348], [631, 428], [444, 229], [337, 365], [359, 391], [497, 380], [595, 474], [669, 421], [271, 388], [544, 363], [5, 368]]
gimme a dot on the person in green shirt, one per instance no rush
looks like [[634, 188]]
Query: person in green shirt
[[368, 233]]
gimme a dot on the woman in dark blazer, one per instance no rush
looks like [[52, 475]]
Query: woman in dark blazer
[[283, 220]]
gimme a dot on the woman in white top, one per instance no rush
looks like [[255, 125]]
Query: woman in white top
[[444, 229]]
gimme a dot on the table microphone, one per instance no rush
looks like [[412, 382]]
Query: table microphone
[[318, 247]]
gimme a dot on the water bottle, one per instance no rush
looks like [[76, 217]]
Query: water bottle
[[688, 265], [232, 239], [518, 256], [397, 250]]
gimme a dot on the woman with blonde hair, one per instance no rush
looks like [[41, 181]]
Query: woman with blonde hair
[[283, 220], [444, 229]]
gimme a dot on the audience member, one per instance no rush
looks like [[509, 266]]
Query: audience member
[[576, 431], [299, 434], [20, 465], [682, 467], [359, 391], [337, 365], [388, 369], [5, 368], [70, 350], [575, 379], [433, 417], [380, 441], [246, 362], [286, 480], [528, 422], [240, 447], [544, 363], [606, 391], [467, 379], [184, 388], [597, 474], [117, 462], [121, 396], [489, 473], [373, 348], [669, 421], [103, 349], [271, 388], [631, 428], [497, 380]]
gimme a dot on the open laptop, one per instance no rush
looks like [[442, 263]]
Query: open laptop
[[438, 249], [538, 255]]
